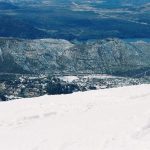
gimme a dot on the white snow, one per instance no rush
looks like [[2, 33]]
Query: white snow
[[110, 119], [99, 76], [69, 78], [76, 78]]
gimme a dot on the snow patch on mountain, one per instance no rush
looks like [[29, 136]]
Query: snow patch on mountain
[[111, 119]]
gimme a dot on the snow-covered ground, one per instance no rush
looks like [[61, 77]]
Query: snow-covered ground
[[94, 76], [110, 119]]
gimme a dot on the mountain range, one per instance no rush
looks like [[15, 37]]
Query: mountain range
[[52, 56], [108, 2], [74, 20], [91, 31]]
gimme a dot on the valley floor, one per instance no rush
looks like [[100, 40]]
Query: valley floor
[[109, 119]]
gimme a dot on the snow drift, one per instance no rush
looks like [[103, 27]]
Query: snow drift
[[111, 119]]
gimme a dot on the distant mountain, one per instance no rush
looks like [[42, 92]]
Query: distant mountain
[[126, 2], [135, 2], [108, 2], [7, 5], [74, 19], [111, 56], [25, 2]]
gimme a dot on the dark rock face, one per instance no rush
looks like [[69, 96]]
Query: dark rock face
[[50, 56]]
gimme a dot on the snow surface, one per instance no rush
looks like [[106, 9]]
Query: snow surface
[[69, 78], [110, 119]]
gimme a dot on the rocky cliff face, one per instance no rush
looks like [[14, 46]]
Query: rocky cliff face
[[50, 56]]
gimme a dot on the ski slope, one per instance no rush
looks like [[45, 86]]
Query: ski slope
[[110, 119]]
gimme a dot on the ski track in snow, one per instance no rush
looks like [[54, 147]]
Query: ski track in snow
[[109, 119]]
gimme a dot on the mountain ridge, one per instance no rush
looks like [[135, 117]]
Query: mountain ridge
[[53, 56]]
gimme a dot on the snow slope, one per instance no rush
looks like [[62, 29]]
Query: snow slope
[[110, 119]]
